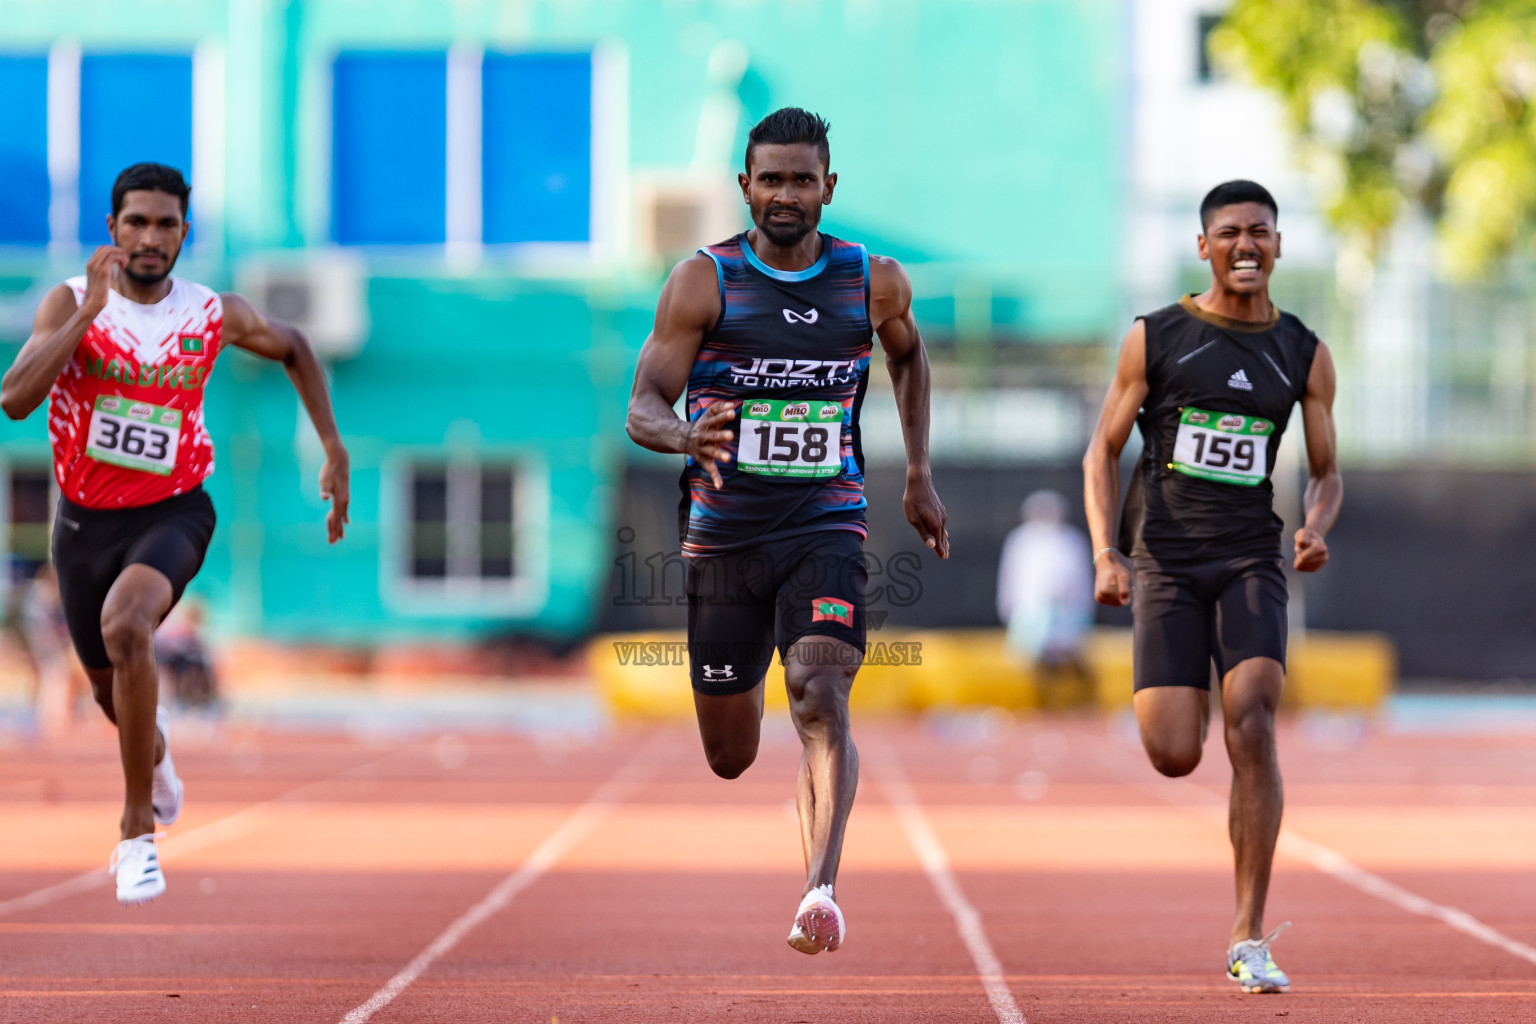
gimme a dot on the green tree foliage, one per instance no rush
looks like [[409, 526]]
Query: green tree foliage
[[1398, 102]]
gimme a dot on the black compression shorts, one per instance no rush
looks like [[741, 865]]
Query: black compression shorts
[[92, 547], [1188, 614], [741, 604]]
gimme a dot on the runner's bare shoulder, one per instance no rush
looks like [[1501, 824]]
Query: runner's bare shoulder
[[58, 305], [690, 300], [890, 290]]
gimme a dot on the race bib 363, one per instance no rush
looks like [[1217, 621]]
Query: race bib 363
[[135, 435]]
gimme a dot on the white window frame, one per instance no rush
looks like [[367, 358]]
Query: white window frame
[[463, 247], [8, 466], [462, 591]]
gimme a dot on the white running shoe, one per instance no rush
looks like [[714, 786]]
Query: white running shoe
[[136, 865], [167, 790], [818, 923]]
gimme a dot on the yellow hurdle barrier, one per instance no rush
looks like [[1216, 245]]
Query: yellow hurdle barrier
[[645, 675]]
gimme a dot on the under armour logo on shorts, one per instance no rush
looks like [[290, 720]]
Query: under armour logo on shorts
[[711, 672]]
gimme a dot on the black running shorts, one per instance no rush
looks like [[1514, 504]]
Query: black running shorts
[[742, 604], [92, 547], [1188, 614]]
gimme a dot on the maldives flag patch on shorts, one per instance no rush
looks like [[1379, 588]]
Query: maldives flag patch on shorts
[[830, 609], [191, 344]]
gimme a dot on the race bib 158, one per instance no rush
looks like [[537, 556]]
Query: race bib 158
[[791, 439], [1226, 447], [135, 435]]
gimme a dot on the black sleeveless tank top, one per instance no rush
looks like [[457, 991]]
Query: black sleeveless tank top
[[1219, 396], [792, 347]]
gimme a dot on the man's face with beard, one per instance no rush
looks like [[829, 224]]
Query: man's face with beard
[[786, 190], [150, 228]]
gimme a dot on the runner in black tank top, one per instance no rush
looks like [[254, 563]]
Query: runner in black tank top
[[770, 331], [1213, 498], [1211, 382]]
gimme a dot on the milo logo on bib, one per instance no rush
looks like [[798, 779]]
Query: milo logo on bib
[[1224, 447], [829, 411], [757, 410], [796, 411]]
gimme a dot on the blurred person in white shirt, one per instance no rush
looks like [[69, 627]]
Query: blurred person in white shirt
[[1045, 596]]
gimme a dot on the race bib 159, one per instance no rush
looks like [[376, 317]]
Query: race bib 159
[[1226, 447], [791, 439], [135, 435]]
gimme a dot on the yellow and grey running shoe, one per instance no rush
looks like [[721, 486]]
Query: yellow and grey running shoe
[[1250, 965]]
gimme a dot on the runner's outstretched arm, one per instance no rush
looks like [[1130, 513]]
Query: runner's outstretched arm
[[56, 330], [907, 361], [1325, 487], [245, 328], [890, 309], [689, 306], [1101, 466]]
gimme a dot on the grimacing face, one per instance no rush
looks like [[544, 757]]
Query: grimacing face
[[1242, 244], [150, 228], [786, 190]]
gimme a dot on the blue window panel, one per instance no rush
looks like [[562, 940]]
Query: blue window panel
[[134, 107], [389, 173], [24, 193], [536, 147]]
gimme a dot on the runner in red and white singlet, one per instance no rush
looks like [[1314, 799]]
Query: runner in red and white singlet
[[123, 353], [126, 415]]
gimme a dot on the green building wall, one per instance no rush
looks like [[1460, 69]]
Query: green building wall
[[977, 141]]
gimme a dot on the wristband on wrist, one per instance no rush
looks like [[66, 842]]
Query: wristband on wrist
[[1099, 552]]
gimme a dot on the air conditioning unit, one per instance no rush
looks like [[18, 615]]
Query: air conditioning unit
[[675, 214], [322, 294]]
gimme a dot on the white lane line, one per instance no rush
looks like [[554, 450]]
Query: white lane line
[[1340, 868], [930, 853], [232, 826], [1335, 865], [58, 891], [545, 856]]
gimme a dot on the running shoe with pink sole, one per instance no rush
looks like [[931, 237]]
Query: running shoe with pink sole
[[819, 923]]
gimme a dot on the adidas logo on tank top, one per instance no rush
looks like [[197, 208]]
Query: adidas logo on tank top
[[1240, 381]]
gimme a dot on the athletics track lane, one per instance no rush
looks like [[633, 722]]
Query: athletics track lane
[[1104, 890]]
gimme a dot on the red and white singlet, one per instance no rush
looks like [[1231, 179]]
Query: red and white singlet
[[126, 415]]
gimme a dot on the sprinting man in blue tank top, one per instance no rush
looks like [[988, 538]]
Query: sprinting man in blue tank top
[[771, 334]]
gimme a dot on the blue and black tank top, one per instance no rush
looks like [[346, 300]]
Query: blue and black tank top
[[792, 348]]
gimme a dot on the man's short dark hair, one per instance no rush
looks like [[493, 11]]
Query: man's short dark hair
[[788, 126], [1230, 193], [150, 178]]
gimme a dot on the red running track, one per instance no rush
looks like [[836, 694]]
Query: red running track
[[308, 872]]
